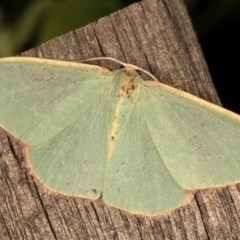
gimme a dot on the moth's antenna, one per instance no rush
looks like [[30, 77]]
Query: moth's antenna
[[127, 65]]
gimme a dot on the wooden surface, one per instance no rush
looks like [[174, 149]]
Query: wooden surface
[[156, 35]]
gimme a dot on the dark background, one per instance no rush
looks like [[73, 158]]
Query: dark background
[[27, 23]]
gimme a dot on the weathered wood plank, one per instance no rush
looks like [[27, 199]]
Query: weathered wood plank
[[156, 35]]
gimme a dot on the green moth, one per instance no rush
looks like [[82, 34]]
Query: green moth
[[141, 146]]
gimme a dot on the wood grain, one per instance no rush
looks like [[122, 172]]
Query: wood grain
[[156, 35]]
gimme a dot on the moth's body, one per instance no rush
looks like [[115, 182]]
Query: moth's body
[[139, 145], [124, 94]]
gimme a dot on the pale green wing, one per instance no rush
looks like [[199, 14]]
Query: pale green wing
[[198, 142], [74, 161], [39, 98], [136, 178]]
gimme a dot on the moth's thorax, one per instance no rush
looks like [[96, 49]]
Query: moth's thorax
[[126, 82]]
